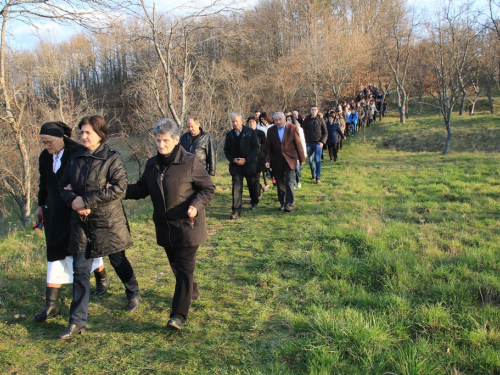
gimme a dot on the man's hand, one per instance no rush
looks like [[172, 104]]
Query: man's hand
[[320, 145], [68, 187], [84, 212], [39, 213], [302, 164], [192, 212], [77, 204]]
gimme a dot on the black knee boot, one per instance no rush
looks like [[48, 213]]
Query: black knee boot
[[101, 282], [51, 305]]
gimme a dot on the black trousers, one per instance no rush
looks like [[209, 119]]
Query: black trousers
[[332, 151], [253, 189], [82, 265], [286, 183], [182, 261]]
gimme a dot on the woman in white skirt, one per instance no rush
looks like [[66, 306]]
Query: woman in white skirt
[[58, 148]]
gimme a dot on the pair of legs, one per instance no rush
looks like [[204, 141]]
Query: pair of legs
[[285, 183], [314, 152], [182, 261], [332, 151], [253, 189], [61, 272], [81, 284], [298, 174]]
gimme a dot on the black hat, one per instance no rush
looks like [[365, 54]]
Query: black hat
[[56, 129]]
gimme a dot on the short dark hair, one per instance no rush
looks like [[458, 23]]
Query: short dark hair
[[98, 124]]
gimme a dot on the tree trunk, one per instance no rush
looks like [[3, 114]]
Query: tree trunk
[[449, 134], [461, 107], [490, 101]]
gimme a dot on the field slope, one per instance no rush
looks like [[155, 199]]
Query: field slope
[[391, 266]]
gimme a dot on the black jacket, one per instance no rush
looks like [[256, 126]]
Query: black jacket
[[201, 147], [182, 184], [315, 130], [56, 214], [249, 149], [106, 228], [261, 158]]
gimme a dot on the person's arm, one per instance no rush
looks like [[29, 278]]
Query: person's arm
[[117, 182], [68, 196], [227, 148], [203, 185], [254, 151], [324, 132], [298, 146], [42, 189], [210, 157], [139, 190]]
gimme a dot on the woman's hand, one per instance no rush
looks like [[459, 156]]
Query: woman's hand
[[77, 204], [68, 187], [192, 212], [39, 213]]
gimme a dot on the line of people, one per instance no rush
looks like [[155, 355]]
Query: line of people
[[82, 186]]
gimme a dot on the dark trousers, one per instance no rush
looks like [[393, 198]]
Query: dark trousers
[[332, 151], [182, 261], [285, 182], [125, 272], [253, 189], [79, 309]]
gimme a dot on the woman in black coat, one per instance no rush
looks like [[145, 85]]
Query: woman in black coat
[[261, 157], [180, 189], [97, 179], [55, 137]]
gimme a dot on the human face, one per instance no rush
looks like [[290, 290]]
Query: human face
[[89, 137], [314, 111], [193, 127], [165, 143], [237, 124], [279, 121], [52, 144], [296, 114], [252, 124]]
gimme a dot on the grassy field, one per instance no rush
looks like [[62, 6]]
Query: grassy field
[[391, 266]]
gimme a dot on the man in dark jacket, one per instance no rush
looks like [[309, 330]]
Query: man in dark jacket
[[316, 135], [241, 149], [199, 143]]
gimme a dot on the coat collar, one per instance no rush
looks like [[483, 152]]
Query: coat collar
[[180, 158]]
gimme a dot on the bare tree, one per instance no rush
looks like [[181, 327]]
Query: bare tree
[[397, 47], [451, 37], [16, 180]]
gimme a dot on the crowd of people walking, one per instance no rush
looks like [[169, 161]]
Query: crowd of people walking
[[82, 187]]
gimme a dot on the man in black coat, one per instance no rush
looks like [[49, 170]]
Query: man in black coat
[[199, 143], [241, 149]]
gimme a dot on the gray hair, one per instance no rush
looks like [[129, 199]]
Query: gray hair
[[234, 114], [278, 114], [166, 126]]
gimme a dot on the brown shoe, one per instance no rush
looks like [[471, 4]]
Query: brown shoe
[[318, 181]]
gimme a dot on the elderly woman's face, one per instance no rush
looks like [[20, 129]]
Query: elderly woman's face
[[52, 144], [89, 137], [165, 143]]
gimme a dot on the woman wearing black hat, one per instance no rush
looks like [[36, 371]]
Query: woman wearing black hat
[[99, 226], [55, 137]]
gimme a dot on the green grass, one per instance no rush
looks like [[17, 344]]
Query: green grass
[[391, 266]]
